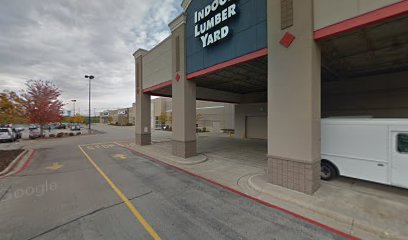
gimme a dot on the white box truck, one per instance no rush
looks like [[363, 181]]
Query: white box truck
[[370, 149]]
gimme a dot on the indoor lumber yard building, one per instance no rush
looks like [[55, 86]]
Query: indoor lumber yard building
[[286, 64]]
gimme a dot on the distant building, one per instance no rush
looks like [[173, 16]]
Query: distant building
[[211, 116], [104, 117], [119, 117], [132, 114]]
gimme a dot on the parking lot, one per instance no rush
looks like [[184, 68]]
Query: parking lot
[[82, 189], [344, 204]]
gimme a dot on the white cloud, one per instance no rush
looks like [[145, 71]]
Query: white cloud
[[62, 41]]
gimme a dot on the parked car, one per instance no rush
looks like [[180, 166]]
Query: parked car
[[60, 126], [370, 149], [33, 127], [7, 135], [34, 133], [18, 132], [48, 127], [20, 129], [75, 128]]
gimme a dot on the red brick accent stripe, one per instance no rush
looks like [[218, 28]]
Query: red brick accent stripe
[[363, 20], [236, 61], [157, 87]]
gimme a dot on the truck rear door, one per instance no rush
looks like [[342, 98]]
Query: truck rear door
[[399, 161]]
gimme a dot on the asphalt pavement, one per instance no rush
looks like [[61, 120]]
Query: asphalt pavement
[[80, 189]]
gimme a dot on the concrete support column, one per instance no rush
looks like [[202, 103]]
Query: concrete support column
[[293, 97], [184, 95], [143, 128]]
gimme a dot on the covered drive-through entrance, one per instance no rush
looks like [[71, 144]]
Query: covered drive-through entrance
[[285, 64]]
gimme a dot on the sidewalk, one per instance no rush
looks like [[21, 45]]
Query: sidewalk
[[365, 210]]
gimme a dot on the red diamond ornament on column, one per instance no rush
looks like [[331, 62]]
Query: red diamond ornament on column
[[177, 77], [287, 39]]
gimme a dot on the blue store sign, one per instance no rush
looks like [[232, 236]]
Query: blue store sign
[[222, 30], [209, 19]]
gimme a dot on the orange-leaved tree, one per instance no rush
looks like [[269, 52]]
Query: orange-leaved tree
[[78, 118], [41, 102], [162, 119], [11, 108]]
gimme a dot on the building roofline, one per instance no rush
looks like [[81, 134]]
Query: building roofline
[[177, 22], [140, 52], [158, 45], [185, 4]]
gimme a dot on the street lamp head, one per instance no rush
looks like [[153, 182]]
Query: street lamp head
[[90, 77]]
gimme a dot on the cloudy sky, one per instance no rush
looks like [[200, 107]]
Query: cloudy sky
[[62, 40]]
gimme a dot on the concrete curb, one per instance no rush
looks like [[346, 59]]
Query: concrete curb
[[187, 161], [24, 163], [253, 185], [182, 161], [191, 161], [13, 163], [257, 183]]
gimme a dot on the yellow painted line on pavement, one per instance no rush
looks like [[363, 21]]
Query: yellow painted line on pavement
[[99, 146], [132, 208], [100, 143], [55, 166], [120, 156]]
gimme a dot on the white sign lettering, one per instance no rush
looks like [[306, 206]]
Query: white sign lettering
[[122, 112], [222, 13]]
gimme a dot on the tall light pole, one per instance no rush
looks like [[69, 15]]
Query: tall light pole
[[73, 103], [90, 77]]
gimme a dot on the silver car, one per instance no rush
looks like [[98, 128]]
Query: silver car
[[34, 134], [7, 135], [75, 128]]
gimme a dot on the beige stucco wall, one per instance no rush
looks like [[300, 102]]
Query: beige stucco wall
[[210, 112], [157, 65], [293, 86], [159, 106], [328, 12], [377, 96], [215, 116], [217, 95], [293, 100], [247, 110]]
